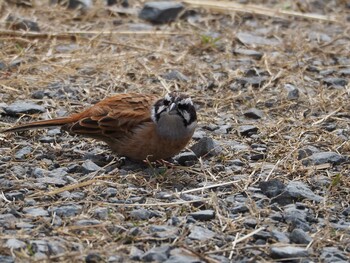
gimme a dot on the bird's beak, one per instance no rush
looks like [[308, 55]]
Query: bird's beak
[[173, 108]]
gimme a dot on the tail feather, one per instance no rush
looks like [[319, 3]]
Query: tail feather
[[40, 124]]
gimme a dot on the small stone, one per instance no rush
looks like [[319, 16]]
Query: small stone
[[343, 72], [109, 192], [14, 243], [248, 52], [250, 222], [247, 130], [158, 254], [279, 236], [21, 107], [46, 139], [255, 81], [89, 167], [340, 82], [51, 181], [2, 67], [307, 151], [66, 210], [296, 217], [198, 135], [333, 254], [299, 236], [272, 188], [87, 222], [15, 196], [115, 259], [206, 146], [203, 215], [288, 252], [186, 158], [23, 152], [93, 258], [101, 213], [293, 92], [141, 214], [73, 4], [17, 23], [7, 259], [324, 157], [253, 113], [251, 39], [175, 75], [201, 233], [54, 132], [135, 253], [35, 211], [179, 255], [161, 12]]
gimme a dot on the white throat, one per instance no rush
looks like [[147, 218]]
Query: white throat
[[171, 126]]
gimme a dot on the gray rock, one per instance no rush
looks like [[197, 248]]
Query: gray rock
[[93, 258], [279, 236], [206, 147], [89, 167], [254, 81], [251, 39], [288, 252], [23, 152], [186, 158], [253, 113], [109, 192], [248, 52], [293, 92], [198, 135], [141, 214], [307, 151], [115, 259], [54, 132], [15, 196], [66, 210], [201, 233], [14, 243], [296, 190], [35, 211], [179, 255], [296, 218], [20, 107], [247, 130], [51, 181], [332, 255], [299, 236], [343, 72], [164, 231], [331, 81], [250, 222], [46, 139], [203, 215], [175, 75], [17, 23], [161, 12], [74, 4], [272, 188], [158, 254], [324, 157], [6, 259], [135, 253], [101, 213]]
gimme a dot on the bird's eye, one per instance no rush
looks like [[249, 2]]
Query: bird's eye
[[166, 102]]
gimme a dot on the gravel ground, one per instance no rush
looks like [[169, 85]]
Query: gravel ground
[[266, 176]]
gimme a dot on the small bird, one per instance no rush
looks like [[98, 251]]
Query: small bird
[[138, 126]]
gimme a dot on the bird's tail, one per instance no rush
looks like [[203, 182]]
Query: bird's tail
[[40, 124]]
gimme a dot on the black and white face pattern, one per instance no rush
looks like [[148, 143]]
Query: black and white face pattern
[[173, 103]]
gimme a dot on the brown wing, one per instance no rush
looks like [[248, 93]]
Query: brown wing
[[113, 117]]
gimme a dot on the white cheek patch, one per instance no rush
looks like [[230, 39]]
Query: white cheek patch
[[186, 101], [186, 116], [168, 97], [153, 114], [160, 109]]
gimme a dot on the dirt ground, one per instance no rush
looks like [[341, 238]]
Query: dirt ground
[[271, 84]]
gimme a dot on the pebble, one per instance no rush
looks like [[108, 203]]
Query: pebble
[[18, 23], [333, 254], [51, 181], [161, 12], [87, 222], [299, 236], [6, 259], [293, 92], [288, 252], [337, 82], [35, 211], [279, 236], [186, 158], [14, 243], [158, 254], [296, 217], [248, 52], [248, 38], [135, 253], [180, 255], [203, 215], [21, 107], [89, 167], [23, 153], [206, 147], [324, 157], [15, 196], [66, 210], [101, 213], [307, 151], [93, 258], [175, 75], [253, 113], [141, 214], [247, 130], [201, 233]]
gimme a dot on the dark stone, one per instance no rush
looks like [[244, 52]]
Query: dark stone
[[16, 23], [158, 254], [288, 252], [180, 255], [293, 92], [253, 113], [6, 259], [38, 95], [299, 236], [186, 158], [248, 52], [255, 81], [206, 146], [73, 4], [324, 157], [201, 233], [279, 236], [66, 210], [15, 196], [307, 151], [109, 192], [296, 218], [203, 215], [335, 81], [141, 214], [93, 258], [161, 12], [135, 253], [247, 130], [101, 213], [272, 188], [20, 107], [89, 167], [333, 254]]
